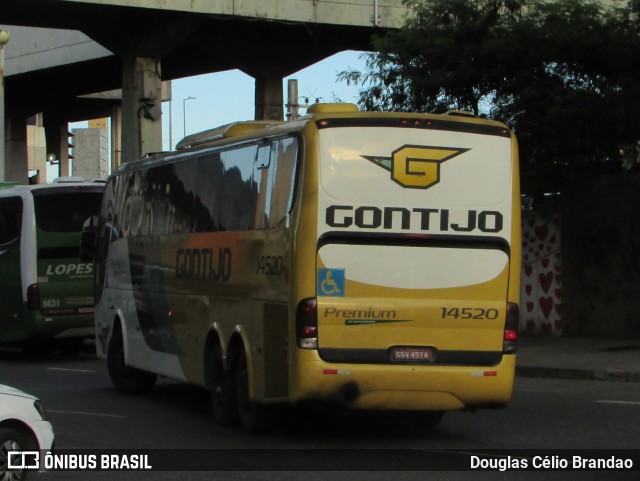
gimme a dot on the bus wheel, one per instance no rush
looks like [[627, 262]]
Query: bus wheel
[[427, 419], [13, 440], [255, 417], [128, 380], [223, 394]]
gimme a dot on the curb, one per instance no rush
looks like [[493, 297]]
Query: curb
[[577, 374]]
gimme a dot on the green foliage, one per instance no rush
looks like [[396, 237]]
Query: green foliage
[[564, 74]]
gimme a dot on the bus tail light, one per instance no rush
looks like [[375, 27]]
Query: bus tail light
[[307, 324], [33, 297], [509, 344]]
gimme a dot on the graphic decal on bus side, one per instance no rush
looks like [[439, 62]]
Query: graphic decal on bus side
[[415, 166], [204, 264], [69, 269]]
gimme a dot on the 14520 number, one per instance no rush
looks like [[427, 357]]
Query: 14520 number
[[269, 265], [469, 313]]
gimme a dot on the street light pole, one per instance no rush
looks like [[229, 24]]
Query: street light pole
[[4, 39], [184, 114]]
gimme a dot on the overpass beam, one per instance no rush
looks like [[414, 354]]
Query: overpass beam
[[269, 97], [141, 107]]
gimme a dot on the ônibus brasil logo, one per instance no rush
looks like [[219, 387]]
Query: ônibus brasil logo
[[416, 166]]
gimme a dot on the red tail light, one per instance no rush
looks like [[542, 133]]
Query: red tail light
[[33, 297], [509, 344], [307, 324]]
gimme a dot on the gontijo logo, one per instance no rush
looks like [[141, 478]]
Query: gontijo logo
[[415, 166]]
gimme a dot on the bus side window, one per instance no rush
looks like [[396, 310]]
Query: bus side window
[[10, 220], [262, 174], [209, 193], [285, 153], [240, 190], [274, 174]]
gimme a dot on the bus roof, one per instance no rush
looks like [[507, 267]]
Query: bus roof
[[19, 188], [249, 130]]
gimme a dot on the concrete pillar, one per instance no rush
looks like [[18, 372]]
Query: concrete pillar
[[16, 150], [57, 141], [269, 97], [141, 107]]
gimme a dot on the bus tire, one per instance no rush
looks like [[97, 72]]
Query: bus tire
[[126, 379], [223, 393], [13, 439], [427, 419], [255, 417]]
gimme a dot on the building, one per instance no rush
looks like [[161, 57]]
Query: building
[[89, 153]]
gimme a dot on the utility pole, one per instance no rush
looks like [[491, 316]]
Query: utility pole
[[293, 107], [184, 115], [4, 39]]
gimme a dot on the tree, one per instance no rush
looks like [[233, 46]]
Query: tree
[[563, 74]]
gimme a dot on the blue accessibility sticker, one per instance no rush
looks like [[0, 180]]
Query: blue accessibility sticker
[[331, 282]]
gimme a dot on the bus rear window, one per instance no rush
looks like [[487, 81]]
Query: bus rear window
[[65, 212]]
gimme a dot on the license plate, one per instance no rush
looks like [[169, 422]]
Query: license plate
[[412, 354]]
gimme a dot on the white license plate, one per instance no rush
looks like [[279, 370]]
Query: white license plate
[[412, 353]]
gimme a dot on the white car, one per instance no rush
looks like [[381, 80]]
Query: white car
[[23, 427]]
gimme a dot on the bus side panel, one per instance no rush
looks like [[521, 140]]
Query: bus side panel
[[14, 312], [15, 318], [172, 290]]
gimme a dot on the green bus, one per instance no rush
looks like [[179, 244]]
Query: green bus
[[46, 292]]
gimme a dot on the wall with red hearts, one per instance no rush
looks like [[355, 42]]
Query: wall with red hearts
[[541, 304]]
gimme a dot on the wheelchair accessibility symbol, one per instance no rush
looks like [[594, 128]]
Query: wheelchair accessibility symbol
[[331, 282]]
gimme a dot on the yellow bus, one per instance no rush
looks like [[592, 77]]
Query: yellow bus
[[367, 260]]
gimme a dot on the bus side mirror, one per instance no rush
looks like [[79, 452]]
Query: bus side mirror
[[88, 239]]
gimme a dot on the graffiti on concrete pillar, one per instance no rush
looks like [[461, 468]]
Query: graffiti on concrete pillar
[[541, 309]]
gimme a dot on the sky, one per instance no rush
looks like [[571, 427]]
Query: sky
[[224, 97]]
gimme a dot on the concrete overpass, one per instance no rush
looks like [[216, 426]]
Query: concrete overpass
[[136, 44]]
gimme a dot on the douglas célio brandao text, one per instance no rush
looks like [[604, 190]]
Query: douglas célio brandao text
[[573, 462]]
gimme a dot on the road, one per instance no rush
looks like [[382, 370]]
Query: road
[[88, 413]]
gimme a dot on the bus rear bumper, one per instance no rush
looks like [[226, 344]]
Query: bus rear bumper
[[405, 387]]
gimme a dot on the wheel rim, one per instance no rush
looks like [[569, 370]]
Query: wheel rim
[[5, 473]]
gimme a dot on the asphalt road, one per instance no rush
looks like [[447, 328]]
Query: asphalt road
[[88, 413]]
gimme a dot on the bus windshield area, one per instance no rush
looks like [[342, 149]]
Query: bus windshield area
[[65, 212]]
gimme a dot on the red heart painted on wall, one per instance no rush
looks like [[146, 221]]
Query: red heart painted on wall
[[545, 281], [542, 231], [546, 304]]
